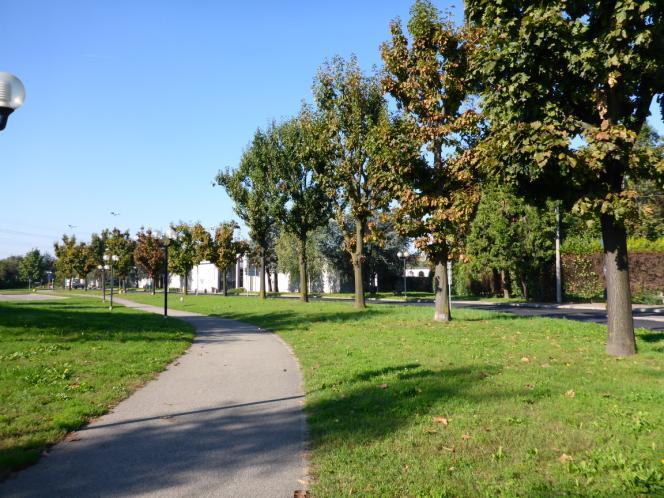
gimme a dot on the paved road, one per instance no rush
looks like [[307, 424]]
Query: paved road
[[644, 319], [29, 297], [225, 419], [647, 318]]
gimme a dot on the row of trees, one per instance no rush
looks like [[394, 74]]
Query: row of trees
[[542, 100], [190, 244]]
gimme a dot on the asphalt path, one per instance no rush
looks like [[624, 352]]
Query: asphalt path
[[647, 318], [224, 420]]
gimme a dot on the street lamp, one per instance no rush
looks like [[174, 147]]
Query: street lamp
[[103, 269], [166, 241], [404, 255], [112, 258], [12, 95]]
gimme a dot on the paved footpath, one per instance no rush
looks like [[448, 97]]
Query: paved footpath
[[225, 419]]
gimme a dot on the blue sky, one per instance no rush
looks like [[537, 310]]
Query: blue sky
[[133, 106]]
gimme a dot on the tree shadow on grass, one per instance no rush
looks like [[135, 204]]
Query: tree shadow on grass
[[59, 321], [378, 403], [651, 336]]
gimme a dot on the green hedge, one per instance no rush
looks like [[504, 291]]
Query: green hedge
[[574, 245]]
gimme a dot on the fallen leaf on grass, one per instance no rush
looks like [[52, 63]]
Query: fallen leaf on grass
[[466, 437], [570, 393], [441, 420], [428, 430], [564, 458], [525, 359], [383, 386]]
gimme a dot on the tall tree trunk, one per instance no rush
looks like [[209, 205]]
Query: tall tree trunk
[[276, 280], [70, 281], [224, 283], [440, 285], [495, 282], [269, 280], [357, 258], [524, 285], [505, 283], [261, 278], [304, 277], [85, 280], [620, 340]]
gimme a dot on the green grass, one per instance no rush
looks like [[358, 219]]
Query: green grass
[[534, 406], [63, 362]]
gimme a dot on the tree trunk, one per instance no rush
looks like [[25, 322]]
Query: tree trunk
[[620, 340], [524, 285], [495, 282], [276, 281], [442, 298], [269, 281], [71, 278], [357, 258], [85, 280], [304, 277], [261, 291], [224, 283], [504, 283], [186, 275]]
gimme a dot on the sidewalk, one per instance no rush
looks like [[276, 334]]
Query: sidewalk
[[225, 419]]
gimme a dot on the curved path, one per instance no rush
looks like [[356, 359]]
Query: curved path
[[225, 419]]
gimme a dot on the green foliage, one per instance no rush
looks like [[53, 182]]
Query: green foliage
[[31, 267], [9, 272], [429, 77], [579, 245], [148, 253], [191, 245], [554, 71], [352, 107], [508, 235], [120, 243]]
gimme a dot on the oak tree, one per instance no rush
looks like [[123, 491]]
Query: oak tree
[[149, 254]]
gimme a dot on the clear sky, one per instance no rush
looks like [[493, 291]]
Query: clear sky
[[133, 105]]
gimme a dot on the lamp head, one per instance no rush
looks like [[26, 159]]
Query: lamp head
[[399, 254], [115, 258], [106, 267], [12, 95], [100, 267], [105, 257]]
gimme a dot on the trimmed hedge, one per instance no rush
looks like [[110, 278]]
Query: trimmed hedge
[[575, 245], [583, 274]]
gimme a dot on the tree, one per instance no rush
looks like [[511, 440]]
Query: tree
[[351, 106], [120, 244], [67, 257], [303, 204], [227, 250], [31, 267], [430, 80], [567, 86], [251, 187], [509, 236], [149, 254], [9, 272], [86, 261]]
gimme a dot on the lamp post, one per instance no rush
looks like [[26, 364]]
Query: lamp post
[[103, 269], [112, 258], [404, 255], [12, 95], [166, 241]]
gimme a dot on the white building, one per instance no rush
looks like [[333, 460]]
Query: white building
[[206, 278]]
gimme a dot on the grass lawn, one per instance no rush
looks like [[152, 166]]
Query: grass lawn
[[63, 362], [489, 405]]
